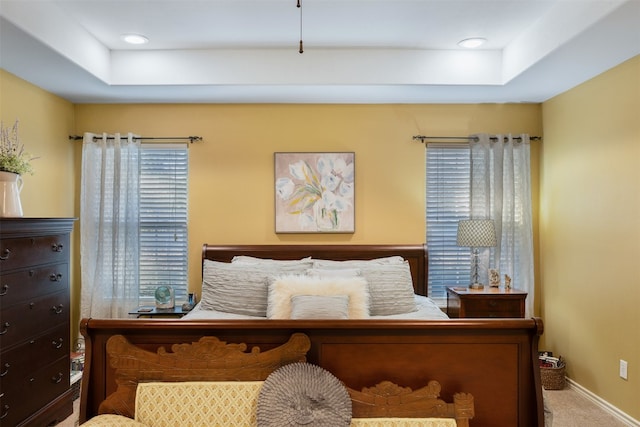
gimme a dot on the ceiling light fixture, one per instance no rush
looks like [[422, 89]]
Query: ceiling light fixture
[[134, 39], [299, 6], [472, 43]]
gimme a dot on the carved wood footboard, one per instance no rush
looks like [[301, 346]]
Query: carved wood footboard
[[210, 359], [495, 360]]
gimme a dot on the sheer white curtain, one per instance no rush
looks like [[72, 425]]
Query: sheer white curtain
[[109, 224], [501, 190]]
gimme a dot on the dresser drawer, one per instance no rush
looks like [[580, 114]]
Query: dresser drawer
[[27, 284], [493, 305], [19, 253], [21, 321], [37, 352], [22, 398]]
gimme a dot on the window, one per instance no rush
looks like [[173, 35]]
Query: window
[[163, 220], [448, 186]]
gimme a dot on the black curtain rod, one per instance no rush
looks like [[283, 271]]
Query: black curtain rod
[[191, 139], [424, 139]]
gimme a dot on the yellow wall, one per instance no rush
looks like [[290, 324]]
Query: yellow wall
[[45, 123], [589, 211], [590, 232], [231, 173]]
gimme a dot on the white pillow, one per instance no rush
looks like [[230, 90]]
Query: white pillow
[[320, 307], [241, 288], [334, 272], [256, 260], [355, 263], [283, 288]]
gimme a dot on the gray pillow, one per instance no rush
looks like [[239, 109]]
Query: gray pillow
[[255, 260], [320, 307], [241, 288], [390, 283], [356, 263], [390, 289], [303, 394]]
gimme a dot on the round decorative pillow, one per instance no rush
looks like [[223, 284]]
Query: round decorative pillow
[[302, 394]]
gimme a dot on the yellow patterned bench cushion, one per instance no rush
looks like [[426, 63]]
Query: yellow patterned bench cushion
[[403, 422], [218, 403], [198, 403], [111, 420]]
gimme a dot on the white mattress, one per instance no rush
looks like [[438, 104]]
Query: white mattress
[[427, 310]]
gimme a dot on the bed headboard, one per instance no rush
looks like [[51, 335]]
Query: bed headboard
[[416, 255]]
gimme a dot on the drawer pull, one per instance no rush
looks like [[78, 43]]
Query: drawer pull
[[56, 378], [5, 289], [5, 255], [57, 344], [6, 370], [6, 328], [57, 309], [57, 247], [493, 303], [55, 277], [5, 410]]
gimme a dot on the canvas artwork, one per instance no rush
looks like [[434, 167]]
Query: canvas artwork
[[314, 192]]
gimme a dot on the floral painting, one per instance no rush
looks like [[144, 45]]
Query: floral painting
[[314, 192]]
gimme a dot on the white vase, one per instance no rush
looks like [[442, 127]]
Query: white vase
[[10, 188]]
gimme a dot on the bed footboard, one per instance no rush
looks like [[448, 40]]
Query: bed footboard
[[495, 360]]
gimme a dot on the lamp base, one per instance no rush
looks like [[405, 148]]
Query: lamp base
[[476, 286]]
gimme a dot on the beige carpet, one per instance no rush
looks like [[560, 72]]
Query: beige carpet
[[570, 409]]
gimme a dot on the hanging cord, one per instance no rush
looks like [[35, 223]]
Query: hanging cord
[[299, 6]]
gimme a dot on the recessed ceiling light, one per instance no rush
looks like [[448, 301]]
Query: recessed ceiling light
[[134, 38], [472, 42]]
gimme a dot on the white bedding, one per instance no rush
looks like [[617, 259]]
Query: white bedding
[[427, 310]]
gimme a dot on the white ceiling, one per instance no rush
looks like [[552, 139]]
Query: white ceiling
[[355, 51]]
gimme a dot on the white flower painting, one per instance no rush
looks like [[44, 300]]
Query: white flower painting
[[314, 192]]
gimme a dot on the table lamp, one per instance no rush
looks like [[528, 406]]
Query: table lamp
[[476, 233]]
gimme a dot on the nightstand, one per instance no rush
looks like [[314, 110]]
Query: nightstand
[[151, 312], [487, 302]]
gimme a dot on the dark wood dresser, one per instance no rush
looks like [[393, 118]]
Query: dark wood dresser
[[487, 302], [34, 321]]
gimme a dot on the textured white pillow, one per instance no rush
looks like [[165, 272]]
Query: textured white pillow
[[241, 288], [320, 307], [283, 288]]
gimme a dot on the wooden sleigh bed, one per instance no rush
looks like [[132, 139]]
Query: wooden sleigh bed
[[494, 360]]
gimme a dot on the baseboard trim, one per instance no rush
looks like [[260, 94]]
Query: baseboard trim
[[606, 406]]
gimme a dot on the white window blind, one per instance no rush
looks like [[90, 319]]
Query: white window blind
[[163, 220], [448, 186]]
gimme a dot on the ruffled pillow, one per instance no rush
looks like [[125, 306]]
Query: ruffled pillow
[[303, 394]]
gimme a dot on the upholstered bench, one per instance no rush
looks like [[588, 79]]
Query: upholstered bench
[[218, 403]]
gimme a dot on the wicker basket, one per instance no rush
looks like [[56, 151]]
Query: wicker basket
[[553, 378]]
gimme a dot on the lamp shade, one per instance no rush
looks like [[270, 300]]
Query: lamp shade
[[476, 233]]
